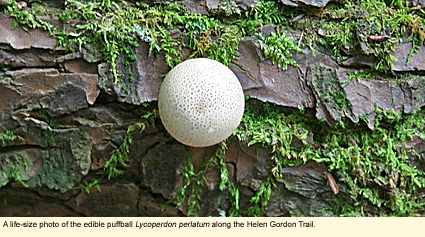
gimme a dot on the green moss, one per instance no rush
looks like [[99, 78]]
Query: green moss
[[261, 198], [119, 157], [229, 7], [361, 74], [119, 30], [373, 164], [193, 183], [13, 166], [326, 85], [348, 27], [6, 136], [278, 47], [16, 166], [47, 118], [29, 17]]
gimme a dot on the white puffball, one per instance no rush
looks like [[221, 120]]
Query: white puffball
[[201, 102]]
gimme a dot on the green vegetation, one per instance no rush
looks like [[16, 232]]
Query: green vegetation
[[119, 157], [117, 27], [350, 25], [375, 165], [357, 75], [366, 158], [278, 48], [15, 173], [31, 17], [6, 136], [48, 118], [193, 183]]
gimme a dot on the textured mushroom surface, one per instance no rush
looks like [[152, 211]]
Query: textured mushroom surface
[[201, 102]]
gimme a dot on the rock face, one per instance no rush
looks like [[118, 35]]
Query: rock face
[[361, 96], [67, 116], [297, 86], [47, 89], [19, 39]]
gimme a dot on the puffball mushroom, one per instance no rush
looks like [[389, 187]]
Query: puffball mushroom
[[201, 102]]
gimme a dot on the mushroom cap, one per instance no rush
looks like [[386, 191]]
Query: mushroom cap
[[201, 102]]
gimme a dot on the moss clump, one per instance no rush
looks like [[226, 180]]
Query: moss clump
[[119, 157], [325, 83], [278, 47], [6, 136], [194, 182], [117, 28], [350, 25], [374, 164], [169, 29]]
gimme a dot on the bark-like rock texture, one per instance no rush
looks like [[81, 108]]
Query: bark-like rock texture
[[68, 115]]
